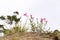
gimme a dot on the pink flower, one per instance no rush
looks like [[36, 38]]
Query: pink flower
[[25, 14], [31, 17], [44, 19], [41, 20]]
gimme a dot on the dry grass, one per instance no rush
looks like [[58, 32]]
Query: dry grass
[[27, 36]]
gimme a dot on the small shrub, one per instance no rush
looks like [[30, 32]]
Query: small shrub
[[18, 29], [55, 32], [7, 31]]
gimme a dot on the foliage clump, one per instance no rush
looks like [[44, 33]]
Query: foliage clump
[[56, 32], [35, 24]]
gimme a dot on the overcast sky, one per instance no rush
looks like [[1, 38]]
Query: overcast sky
[[49, 9]]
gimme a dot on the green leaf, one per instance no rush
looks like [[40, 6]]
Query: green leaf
[[16, 12], [2, 18]]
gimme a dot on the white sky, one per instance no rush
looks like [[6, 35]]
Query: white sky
[[49, 9]]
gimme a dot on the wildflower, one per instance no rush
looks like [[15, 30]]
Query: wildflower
[[31, 17], [44, 19], [41, 20], [25, 14]]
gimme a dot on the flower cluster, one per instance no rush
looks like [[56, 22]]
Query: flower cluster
[[43, 19], [39, 26], [34, 24]]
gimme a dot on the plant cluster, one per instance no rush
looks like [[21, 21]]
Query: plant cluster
[[36, 26]]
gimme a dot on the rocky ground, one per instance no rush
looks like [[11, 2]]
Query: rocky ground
[[28, 36]]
